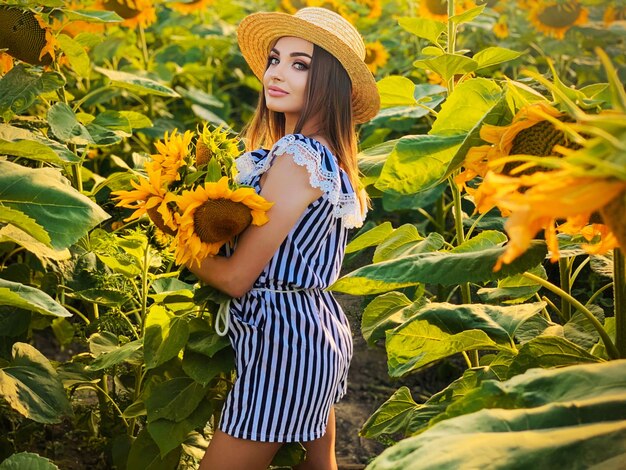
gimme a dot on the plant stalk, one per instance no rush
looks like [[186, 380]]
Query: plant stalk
[[619, 290], [608, 344], [565, 286]]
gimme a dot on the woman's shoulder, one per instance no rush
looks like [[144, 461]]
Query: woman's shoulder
[[307, 149], [251, 164]]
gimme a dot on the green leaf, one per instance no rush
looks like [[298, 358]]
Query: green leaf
[[418, 343], [494, 55], [372, 159], [466, 106], [486, 239], [467, 15], [432, 242], [423, 27], [25, 223], [393, 416], [436, 268], [289, 455], [45, 196], [136, 120], [66, 127], [144, 455], [168, 435], [370, 238], [31, 386], [166, 335], [549, 351], [21, 86], [396, 90], [29, 298], [417, 163], [136, 84], [27, 460], [92, 16], [76, 54], [111, 356], [570, 417], [23, 143], [404, 234], [447, 65], [203, 369], [174, 399], [385, 312]]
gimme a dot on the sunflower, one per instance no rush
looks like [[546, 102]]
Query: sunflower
[[438, 9], [173, 151], [530, 133], [150, 197], [501, 29], [375, 55], [212, 215], [73, 28], [134, 12], [614, 13], [537, 201], [554, 18], [191, 6], [26, 36]]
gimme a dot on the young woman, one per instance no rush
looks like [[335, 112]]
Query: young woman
[[291, 339]]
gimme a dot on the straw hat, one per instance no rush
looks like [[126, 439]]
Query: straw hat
[[258, 31]]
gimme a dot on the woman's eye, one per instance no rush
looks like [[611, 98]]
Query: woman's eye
[[273, 61], [300, 66]]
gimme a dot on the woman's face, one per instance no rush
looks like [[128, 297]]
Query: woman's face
[[286, 76]]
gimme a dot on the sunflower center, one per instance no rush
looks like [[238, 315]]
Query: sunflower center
[[22, 36], [220, 219], [121, 8], [560, 15], [437, 7]]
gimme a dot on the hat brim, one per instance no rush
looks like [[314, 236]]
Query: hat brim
[[258, 31]]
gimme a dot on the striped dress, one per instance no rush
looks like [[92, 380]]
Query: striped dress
[[291, 339]]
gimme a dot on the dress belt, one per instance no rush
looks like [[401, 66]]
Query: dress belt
[[222, 316]]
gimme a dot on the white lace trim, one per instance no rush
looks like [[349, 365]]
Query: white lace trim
[[345, 205]]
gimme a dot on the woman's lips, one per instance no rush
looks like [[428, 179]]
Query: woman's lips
[[276, 92]]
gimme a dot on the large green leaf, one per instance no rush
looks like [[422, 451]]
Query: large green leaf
[[66, 127], [489, 439], [372, 160], [418, 343], [549, 351], [436, 268], [24, 223], [27, 460], [166, 335], [385, 312], [44, 195], [144, 455], [572, 417], [23, 143], [136, 83], [174, 399], [486, 239], [370, 238], [423, 27], [108, 353], [203, 369], [400, 248], [25, 297], [170, 434], [417, 163], [393, 416], [466, 106], [448, 65], [494, 55], [76, 54], [396, 90], [21, 86], [32, 387]]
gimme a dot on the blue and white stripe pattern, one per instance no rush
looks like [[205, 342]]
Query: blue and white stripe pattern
[[292, 341]]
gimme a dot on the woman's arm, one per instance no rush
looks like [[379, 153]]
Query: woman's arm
[[287, 185]]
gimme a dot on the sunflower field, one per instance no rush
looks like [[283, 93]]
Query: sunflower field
[[495, 240]]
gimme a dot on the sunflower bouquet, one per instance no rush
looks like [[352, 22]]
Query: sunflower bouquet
[[192, 196]]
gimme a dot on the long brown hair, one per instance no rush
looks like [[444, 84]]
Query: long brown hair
[[328, 98]]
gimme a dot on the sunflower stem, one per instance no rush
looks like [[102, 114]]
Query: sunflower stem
[[451, 45], [608, 344], [565, 286], [619, 292]]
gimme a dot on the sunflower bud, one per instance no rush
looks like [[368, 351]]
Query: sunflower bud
[[23, 37], [203, 154], [221, 219]]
